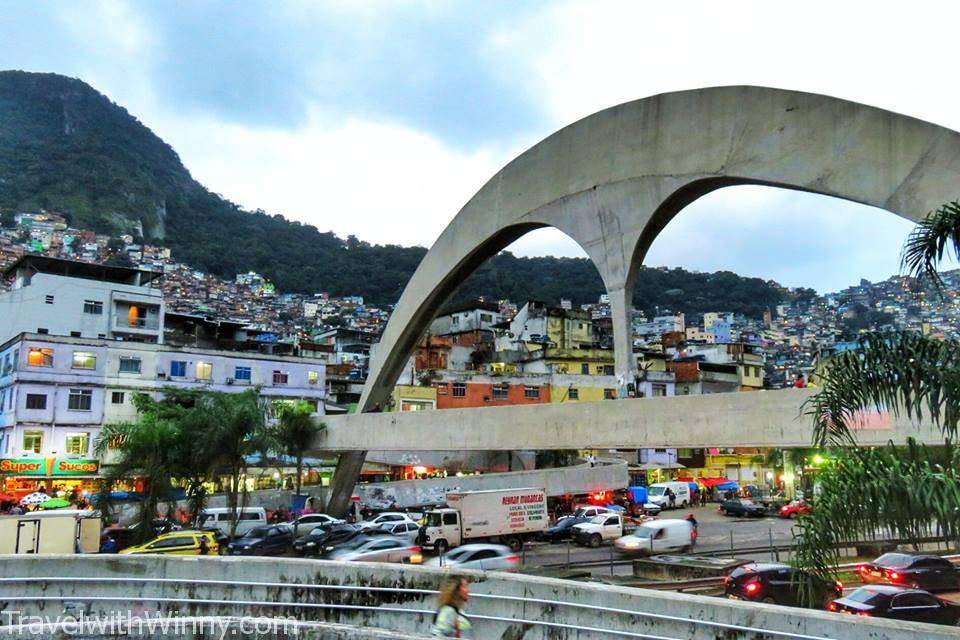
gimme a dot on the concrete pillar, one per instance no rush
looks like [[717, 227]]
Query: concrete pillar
[[345, 478], [621, 311]]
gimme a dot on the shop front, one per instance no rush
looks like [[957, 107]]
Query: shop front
[[54, 475]]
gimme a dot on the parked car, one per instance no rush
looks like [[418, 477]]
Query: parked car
[[332, 548], [310, 520], [380, 549], [389, 516], [319, 538], [777, 583], [563, 530], [248, 518], [406, 530], [485, 557], [742, 507], [795, 509], [916, 570], [898, 603], [270, 540], [181, 543], [657, 536], [589, 511], [606, 526]]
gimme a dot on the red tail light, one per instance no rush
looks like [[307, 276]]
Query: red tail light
[[752, 587], [832, 606], [726, 580], [863, 614], [862, 568], [838, 586], [513, 559], [893, 575]]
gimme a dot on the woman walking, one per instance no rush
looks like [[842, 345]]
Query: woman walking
[[449, 621]]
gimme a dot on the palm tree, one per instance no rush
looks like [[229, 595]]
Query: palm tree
[[294, 434], [145, 449], [902, 492]]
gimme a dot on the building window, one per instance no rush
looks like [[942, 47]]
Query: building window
[[93, 306], [117, 441], [39, 357], [313, 377], [659, 390], [531, 393], [204, 371], [178, 369], [84, 360], [608, 369], [129, 364], [501, 393], [459, 390], [117, 397], [32, 441], [281, 377], [43, 331], [486, 317], [243, 375], [80, 400], [573, 393], [585, 369], [48, 299], [36, 401], [78, 443], [6, 367], [609, 394]]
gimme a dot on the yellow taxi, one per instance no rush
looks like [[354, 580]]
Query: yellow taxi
[[181, 543]]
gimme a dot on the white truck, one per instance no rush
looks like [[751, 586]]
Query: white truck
[[504, 516], [602, 527], [43, 532]]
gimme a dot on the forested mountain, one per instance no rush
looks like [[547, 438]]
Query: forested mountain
[[65, 147]]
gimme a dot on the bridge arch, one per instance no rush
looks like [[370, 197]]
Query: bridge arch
[[613, 180]]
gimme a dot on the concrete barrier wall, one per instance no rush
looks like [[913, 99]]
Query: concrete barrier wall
[[400, 598]]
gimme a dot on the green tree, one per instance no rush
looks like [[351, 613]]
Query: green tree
[[901, 492], [293, 435]]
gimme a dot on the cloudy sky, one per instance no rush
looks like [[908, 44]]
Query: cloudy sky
[[381, 119]]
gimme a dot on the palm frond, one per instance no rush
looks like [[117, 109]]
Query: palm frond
[[935, 235], [898, 372]]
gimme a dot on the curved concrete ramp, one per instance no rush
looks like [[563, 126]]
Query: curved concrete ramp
[[613, 181], [401, 599]]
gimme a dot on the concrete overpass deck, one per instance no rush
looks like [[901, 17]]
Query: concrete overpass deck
[[760, 419]]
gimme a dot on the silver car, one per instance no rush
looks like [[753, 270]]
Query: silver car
[[380, 549], [405, 530], [484, 557]]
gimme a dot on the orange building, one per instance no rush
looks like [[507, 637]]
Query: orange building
[[462, 395]]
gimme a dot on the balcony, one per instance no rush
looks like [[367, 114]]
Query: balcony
[[142, 324]]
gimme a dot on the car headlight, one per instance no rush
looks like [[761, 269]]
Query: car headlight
[[631, 544], [311, 544]]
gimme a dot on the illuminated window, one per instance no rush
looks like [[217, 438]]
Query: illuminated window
[[33, 441], [84, 360], [313, 377], [78, 443], [80, 400], [133, 316], [39, 357], [204, 371], [117, 441]]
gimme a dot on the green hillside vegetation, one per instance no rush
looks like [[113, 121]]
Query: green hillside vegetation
[[65, 147]]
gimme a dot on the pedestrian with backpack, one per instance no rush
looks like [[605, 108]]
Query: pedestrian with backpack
[[449, 621]]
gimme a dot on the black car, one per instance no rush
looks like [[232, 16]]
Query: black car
[[268, 540], [898, 603], [739, 507], [563, 530], [777, 583], [320, 537], [916, 570], [355, 541]]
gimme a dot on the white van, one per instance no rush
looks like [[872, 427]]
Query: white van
[[220, 517], [658, 536], [657, 494]]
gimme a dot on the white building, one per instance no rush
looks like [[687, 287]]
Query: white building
[[57, 392], [67, 298]]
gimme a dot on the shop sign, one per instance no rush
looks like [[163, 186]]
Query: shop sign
[[49, 466]]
